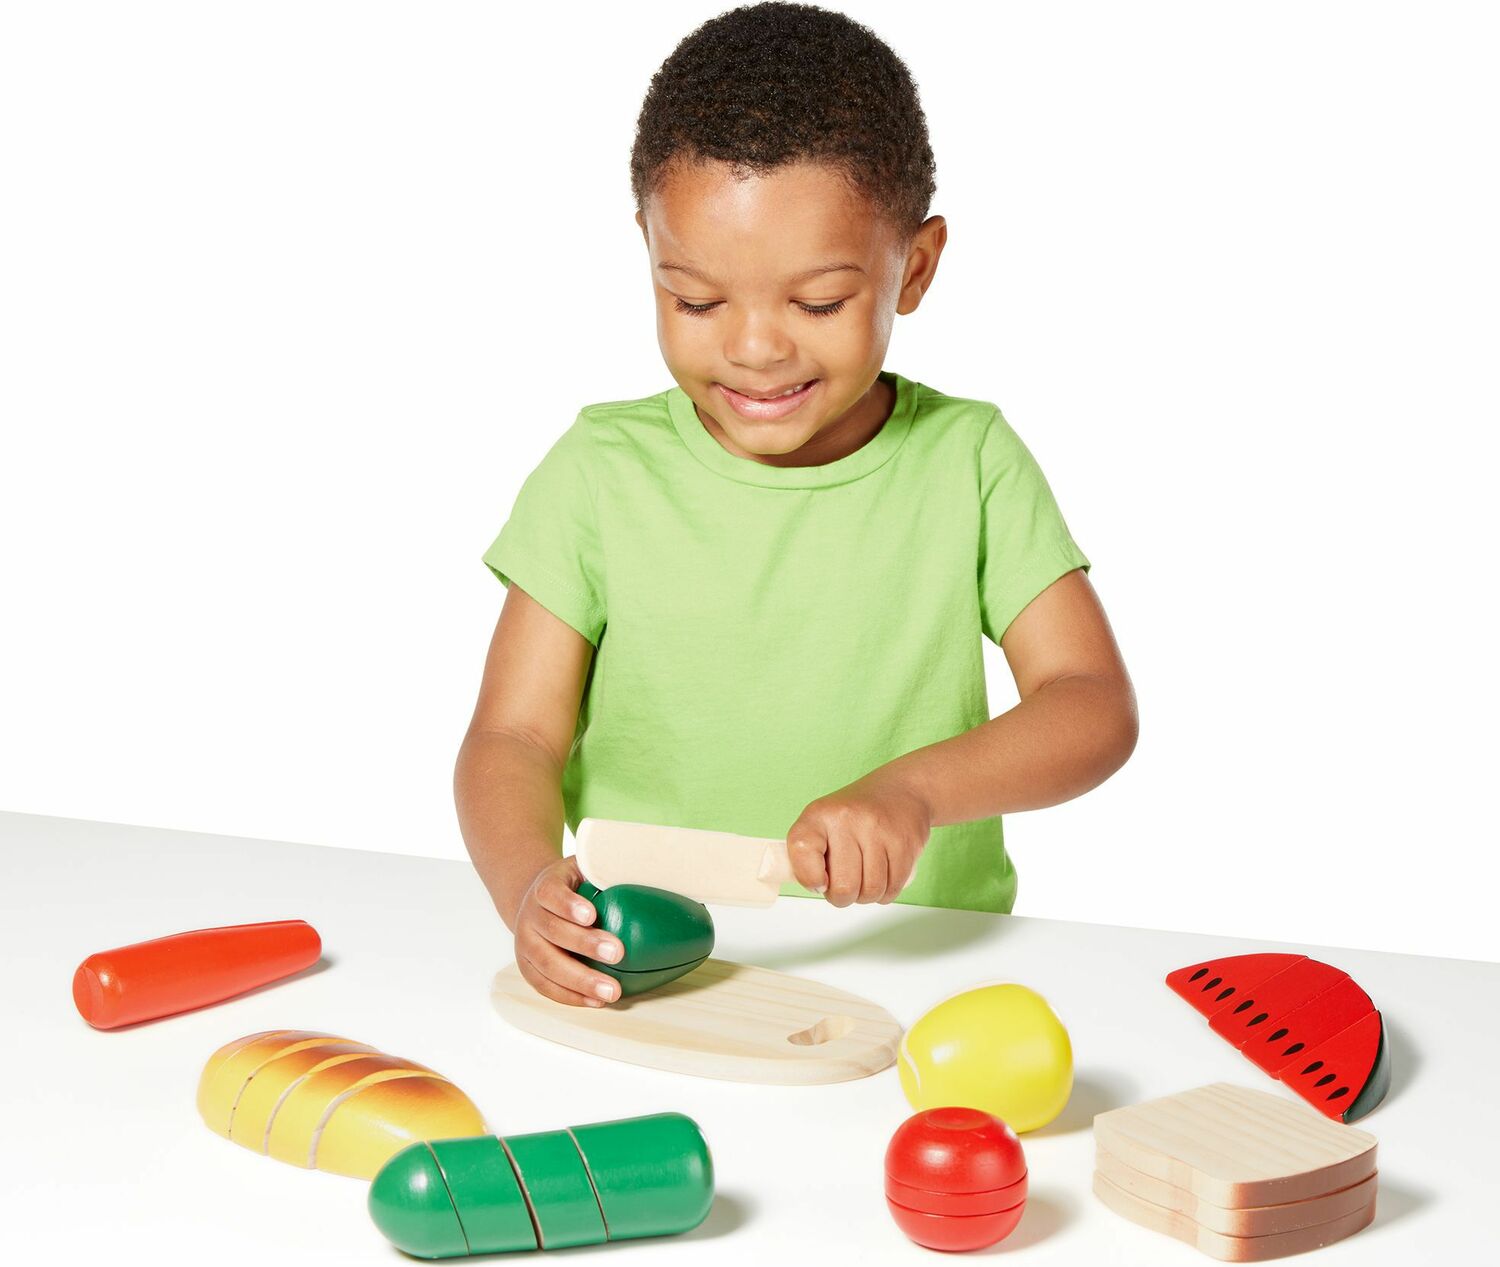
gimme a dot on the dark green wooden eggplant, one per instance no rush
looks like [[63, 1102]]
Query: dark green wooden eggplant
[[665, 935]]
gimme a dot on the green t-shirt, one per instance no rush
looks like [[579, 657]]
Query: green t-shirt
[[767, 635]]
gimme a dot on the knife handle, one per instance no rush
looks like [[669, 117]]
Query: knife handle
[[775, 866]]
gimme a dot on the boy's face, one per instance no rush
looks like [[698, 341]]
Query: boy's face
[[749, 242]]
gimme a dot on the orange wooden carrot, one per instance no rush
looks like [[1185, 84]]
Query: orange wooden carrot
[[155, 978]]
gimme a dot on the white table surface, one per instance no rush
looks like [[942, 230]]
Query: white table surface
[[106, 1158]]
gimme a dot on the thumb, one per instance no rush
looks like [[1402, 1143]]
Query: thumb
[[807, 851]]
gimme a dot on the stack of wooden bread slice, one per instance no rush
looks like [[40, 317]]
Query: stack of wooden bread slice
[[1243, 1175]]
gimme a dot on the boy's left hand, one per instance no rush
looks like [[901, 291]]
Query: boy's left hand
[[861, 843]]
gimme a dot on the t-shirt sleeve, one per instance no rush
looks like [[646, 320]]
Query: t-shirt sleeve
[[550, 544], [1024, 543]]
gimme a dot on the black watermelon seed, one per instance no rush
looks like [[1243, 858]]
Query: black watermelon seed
[[1214, 984], [1202, 972], [1224, 994], [1294, 1049], [1257, 1020], [1277, 1036], [1244, 1005], [1334, 1095], [1324, 1080], [1312, 1068]]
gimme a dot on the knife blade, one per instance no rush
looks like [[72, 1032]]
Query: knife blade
[[706, 866]]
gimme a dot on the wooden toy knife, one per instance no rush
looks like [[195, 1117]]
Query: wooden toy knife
[[707, 866]]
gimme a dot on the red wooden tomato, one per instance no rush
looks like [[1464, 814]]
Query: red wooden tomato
[[955, 1178], [956, 1231]]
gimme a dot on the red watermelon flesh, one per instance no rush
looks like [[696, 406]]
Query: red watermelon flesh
[[1208, 985], [1247, 1015], [1316, 1021], [1346, 1075], [1300, 1020]]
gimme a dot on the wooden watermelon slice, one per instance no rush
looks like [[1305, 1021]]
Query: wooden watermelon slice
[[1302, 1021]]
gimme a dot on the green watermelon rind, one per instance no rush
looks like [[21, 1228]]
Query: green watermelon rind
[[1376, 1085]]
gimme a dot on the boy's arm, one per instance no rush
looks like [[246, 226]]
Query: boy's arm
[[1075, 724], [507, 781]]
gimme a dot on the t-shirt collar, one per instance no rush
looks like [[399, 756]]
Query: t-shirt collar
[[875, 452]]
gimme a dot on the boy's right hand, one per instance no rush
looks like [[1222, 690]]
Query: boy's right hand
[[553, 920]]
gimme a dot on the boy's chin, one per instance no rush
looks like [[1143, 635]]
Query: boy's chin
[[766, 439]]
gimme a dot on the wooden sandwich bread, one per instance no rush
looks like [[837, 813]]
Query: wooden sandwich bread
[[1242, 1175]]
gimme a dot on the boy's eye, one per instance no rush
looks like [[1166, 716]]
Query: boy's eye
[[700, 310]]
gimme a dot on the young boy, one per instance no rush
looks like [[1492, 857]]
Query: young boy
[[753, 602]]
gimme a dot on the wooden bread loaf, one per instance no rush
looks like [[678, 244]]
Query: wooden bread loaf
[[327, 1103]]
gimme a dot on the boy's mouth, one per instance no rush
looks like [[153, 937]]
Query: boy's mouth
[[763, 410]]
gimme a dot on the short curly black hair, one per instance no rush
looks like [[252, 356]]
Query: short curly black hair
[[769, 84]]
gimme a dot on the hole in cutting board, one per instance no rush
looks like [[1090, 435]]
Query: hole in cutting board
[[826, 1030]]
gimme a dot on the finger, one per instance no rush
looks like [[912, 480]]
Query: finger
[[806, 850], [556, 893], [893, 889], [876, 871], [566, 971], [596, 943], [569, 974], [845, 866], [547, 988]]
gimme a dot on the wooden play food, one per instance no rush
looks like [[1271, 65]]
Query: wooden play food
[[148, 979], [1241, 1174], [1229, 1249], [665, 935], [608, 1181], [955, 1178], [326, 1103], [1000, 1048], [1300, 1020], [1242, 1221]]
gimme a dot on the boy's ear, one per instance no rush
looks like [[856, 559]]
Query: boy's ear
[[640, 219], [921, 262]]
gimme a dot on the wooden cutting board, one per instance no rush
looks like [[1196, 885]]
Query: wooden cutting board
[[722, 1020], [1236, 1147]]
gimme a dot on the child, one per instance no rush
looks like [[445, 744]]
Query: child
[[753, 602]]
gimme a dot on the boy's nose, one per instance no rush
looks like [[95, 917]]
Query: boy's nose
[[758, 346]]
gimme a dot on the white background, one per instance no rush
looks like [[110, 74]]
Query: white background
[[293, 297]]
